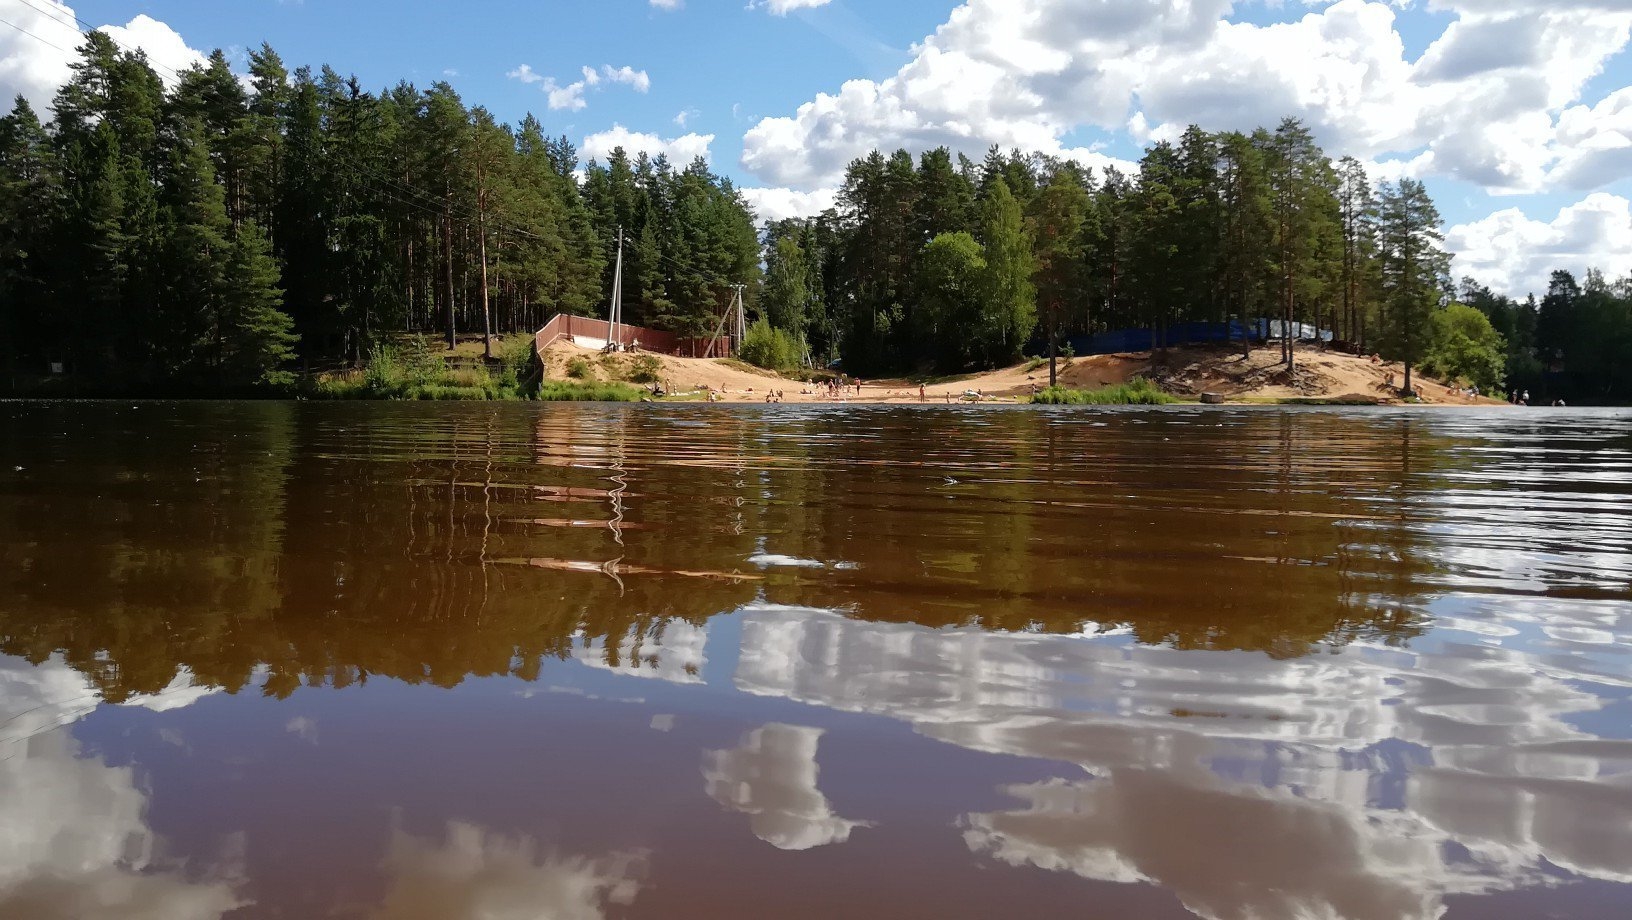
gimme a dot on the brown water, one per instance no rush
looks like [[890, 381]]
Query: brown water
[[445, 661]]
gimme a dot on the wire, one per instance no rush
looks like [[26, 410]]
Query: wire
[[36, 37], [389, 188]]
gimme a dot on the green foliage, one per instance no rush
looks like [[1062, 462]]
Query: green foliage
[[578, 368], [645, 369], [1010, 303], [568, 391], [954, 289], [1412, 267], [208, 236], [770, 348], [414, 371], [1463, 346], [1138, 392]]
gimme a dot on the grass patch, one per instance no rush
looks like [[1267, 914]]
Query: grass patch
[[1137, 392], [1349, 400], [578, 369], [1033, 364], [414, 371], [571, 391]]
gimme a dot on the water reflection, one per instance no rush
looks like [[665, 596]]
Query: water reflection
[[771, 777], [1235, 664], [76, 844], [474, 874]]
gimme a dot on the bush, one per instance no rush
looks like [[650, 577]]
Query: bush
[[1034, 363], [515, 360], [1464, 347], [770, 348], [645, 369], [1137, 392], [578, 369], [414, 371]]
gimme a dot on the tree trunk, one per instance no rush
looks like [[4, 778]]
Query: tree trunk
[[1053, 354], [447, 258], [487, 312]]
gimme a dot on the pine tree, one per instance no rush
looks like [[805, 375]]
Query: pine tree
[[27, 180], [258, 337], [1061, 276], [1414, 267]]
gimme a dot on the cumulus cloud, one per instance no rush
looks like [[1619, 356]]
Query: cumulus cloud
[[680, 150], [1486, 102], [1515, 254], [36, 54], [570, 96], [773, 204]]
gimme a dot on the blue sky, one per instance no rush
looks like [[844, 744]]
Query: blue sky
[[1516, 112]]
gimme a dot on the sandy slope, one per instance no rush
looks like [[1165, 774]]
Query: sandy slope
[[1186, 372]]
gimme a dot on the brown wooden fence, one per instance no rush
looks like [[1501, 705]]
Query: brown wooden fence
[[596, 333]]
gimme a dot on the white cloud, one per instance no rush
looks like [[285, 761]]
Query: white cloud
[[570, 96], [681, 150], [668, 6], [1489, 102], [526, 74], [772, 204], [685, 116], [1515, 255], [784, 7], [628, 76], [164, 46], [35, 64]]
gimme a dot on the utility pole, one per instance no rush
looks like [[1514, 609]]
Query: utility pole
[[742, 320], [615, 314], [487, 312]]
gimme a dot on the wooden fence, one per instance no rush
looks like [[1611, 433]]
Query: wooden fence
[[597, 333]]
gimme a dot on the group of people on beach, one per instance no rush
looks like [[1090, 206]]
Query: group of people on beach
[[1522, 398]]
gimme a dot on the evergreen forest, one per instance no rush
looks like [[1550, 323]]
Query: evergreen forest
[[201, 233]]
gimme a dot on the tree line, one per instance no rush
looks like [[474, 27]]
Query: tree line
[[953, 264], [945, 264], [215, 236], [223, 234]]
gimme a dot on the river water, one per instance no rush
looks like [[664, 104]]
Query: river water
[[507, 661]]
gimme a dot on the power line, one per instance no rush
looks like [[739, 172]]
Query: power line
[[389, 188], [35, 37]]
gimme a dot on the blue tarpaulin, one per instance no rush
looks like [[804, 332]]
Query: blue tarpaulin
[[1125, 340]]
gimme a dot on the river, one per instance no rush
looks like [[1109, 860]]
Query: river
[[428, 661]]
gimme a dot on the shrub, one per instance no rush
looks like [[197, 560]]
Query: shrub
[[770, 348], [646, 369], [578, 368], [1137, 392], [1034, 363], [1464, 347], [515, 360]]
